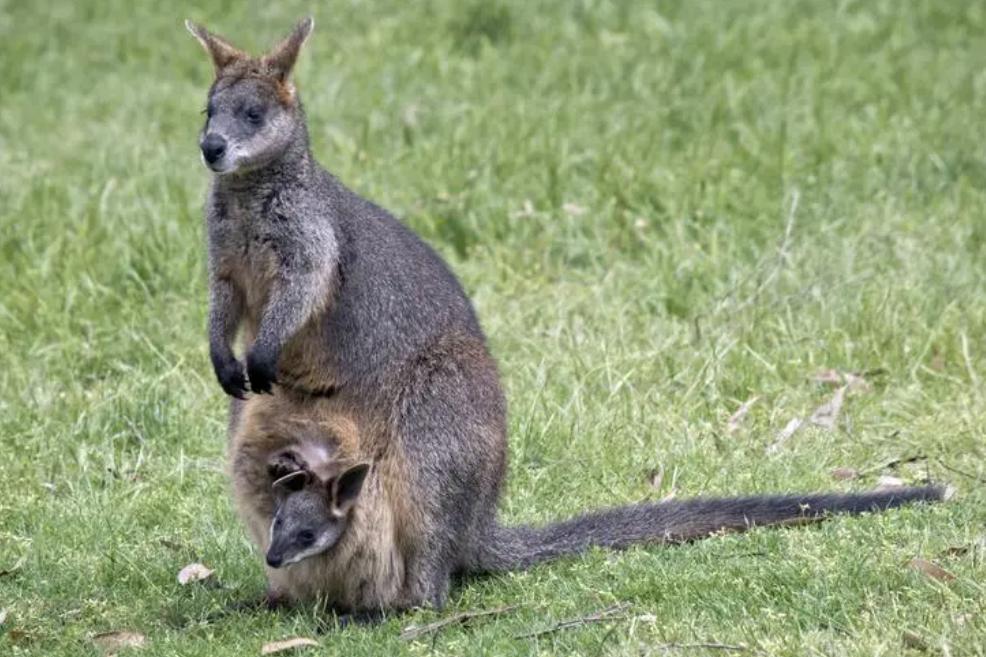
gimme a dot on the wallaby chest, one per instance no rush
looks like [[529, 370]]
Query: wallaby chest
[[252, 241]]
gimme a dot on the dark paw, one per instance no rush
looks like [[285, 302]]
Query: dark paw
[[261, 370], [229, 371]]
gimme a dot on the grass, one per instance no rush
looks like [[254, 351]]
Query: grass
[[660, 211]]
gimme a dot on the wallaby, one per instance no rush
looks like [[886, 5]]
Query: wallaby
[[363, 325], [336, 298]]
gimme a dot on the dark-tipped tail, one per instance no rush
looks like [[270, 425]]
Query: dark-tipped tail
[[675, 521]]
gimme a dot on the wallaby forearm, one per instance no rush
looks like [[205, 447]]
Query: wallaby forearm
[[225, 315], [295, 299]]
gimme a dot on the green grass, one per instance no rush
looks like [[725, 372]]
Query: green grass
[[769, 189]]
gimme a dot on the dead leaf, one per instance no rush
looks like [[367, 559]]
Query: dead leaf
[[785, 434], [13, 569], [288, 644], [844, 474], [733, 424], [193, 572], [112, 642], [573, 209], [931, 569], [914, 640], [827, 415], [952, 551], [526, 210], [887, 482], [656, 477], [3, 616], [856, 382], [17, 635], [829, 376]]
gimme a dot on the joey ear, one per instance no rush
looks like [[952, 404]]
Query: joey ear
[[280, 60], [284, 463], [347, 487], [223, 53], [291, 483]]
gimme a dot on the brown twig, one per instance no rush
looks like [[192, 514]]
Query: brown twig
[[414, 631], [893, 463], [706, 645], [614, 612], [961, 472]]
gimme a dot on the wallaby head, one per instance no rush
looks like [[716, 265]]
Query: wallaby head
[[253, 113], [311, 515]]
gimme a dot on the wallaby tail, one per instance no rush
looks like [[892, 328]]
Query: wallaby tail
[[675, 521]]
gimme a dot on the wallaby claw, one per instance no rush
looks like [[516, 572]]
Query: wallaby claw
[[231, 377]]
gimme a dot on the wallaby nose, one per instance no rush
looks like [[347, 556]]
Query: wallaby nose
[[274, 560], [213, 147]]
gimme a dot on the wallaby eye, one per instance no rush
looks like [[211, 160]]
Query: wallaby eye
[[255, 115], [306, 538]]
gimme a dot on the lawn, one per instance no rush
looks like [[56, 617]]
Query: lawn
[[661, 210]]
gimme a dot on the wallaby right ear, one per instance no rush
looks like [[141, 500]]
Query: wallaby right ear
[[347, 487], [223, 53], [292, 483]]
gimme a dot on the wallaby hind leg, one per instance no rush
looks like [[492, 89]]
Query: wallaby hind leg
[[451, 430]]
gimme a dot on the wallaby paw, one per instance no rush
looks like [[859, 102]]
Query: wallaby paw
[[230, 374], [261, 371]]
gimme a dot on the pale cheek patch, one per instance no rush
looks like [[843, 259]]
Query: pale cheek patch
[[321, 545]]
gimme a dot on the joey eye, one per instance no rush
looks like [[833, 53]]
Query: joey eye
[[306, 538]]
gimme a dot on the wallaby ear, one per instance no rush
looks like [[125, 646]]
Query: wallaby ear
[[223, 53], [347, 487], [291, 483], [280, 60], [284, 463]]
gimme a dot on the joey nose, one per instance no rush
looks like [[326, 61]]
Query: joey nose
[[213, 148], [274, 560]]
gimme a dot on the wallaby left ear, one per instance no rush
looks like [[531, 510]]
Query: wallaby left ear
[[347, 487], [223, 53], [280, 60]]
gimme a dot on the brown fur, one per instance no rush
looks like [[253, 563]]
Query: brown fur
[[366, 569]]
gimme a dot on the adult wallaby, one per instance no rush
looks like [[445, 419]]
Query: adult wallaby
[[339, 301]]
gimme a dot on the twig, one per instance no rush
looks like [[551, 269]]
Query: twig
[[973, 377], [893, 463], [961, 472], [708, 646], [414, 631], [614, 612]]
